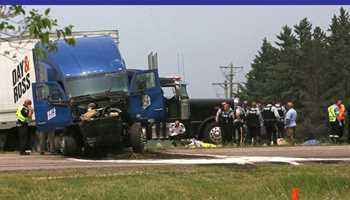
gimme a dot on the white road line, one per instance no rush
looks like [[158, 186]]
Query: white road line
[[218, 159]]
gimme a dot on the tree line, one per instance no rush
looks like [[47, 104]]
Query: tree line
[[307, 65]]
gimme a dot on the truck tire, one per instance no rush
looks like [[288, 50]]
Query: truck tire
[[57, 143], [3, 139], [69, 146], [212, 133], [137, 138]]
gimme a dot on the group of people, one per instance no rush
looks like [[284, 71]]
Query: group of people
[[336, 118], [243, 124]]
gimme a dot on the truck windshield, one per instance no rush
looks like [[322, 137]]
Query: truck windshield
[[97, 83]]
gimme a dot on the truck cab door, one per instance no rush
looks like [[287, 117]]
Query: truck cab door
[[146, 97], [184, 102], [52, 110]]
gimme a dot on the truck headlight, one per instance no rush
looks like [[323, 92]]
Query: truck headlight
[[146, 101]]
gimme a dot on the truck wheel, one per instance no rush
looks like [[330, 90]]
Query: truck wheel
[[212, 133], [69, 146], [3, 137], [57, 143], [137, 138]]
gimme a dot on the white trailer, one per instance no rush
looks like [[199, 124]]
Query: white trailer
[[17, 75]]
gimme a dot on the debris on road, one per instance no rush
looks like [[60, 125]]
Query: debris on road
[[199, 144], [311, 142]]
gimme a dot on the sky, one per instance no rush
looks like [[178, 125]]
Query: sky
[[200, 38]]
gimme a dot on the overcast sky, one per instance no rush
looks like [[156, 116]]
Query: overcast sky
[[206, 36]]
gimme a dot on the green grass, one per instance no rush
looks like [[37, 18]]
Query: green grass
[[316, 181]]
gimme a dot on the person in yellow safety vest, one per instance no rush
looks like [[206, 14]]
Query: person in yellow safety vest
[[333, 112], [341, 117], [24, 115]]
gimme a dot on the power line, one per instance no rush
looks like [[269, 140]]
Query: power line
[[229, 73]]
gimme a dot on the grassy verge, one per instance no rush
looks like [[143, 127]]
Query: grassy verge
[[316, 181]]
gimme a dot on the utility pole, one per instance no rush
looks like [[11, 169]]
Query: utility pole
[[229, 74], [223, 85]]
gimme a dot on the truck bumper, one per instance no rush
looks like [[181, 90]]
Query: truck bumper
[[101, 133]]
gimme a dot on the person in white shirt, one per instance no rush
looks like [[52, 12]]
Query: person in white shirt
[[291, 122], [176, 131]]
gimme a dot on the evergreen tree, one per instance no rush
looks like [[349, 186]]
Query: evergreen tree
[[258, 78], [307, 66], [285, 71], [314, 78], [302, 61], [339, 55]]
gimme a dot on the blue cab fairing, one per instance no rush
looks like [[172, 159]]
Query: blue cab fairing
[[89, 55]]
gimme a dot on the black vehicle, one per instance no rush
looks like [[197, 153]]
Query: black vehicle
[[198, 115]]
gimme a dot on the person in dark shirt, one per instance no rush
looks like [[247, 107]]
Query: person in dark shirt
[[24, 115], [270, 116], [280, 120], [224, 117], [254, 122]]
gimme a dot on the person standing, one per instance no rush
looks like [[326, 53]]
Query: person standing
[[280, 120], [47, 138], [24, 115], [224, 117], [341, 118], [253, 122], [333, 112], [238, 123], [270, 116], [291, 122]]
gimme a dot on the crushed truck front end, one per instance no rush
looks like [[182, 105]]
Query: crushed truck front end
[[74, 77]]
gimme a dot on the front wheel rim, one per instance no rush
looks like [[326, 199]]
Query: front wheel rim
[[215, 134]]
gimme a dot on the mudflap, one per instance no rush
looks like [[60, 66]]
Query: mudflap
[[102, 133]]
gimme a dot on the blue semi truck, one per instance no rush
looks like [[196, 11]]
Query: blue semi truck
[[127, 103], [63, 83]]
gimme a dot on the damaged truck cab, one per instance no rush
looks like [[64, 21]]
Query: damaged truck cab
[[92, 72]]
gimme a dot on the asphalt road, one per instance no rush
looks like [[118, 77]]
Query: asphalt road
[[12, 161]]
